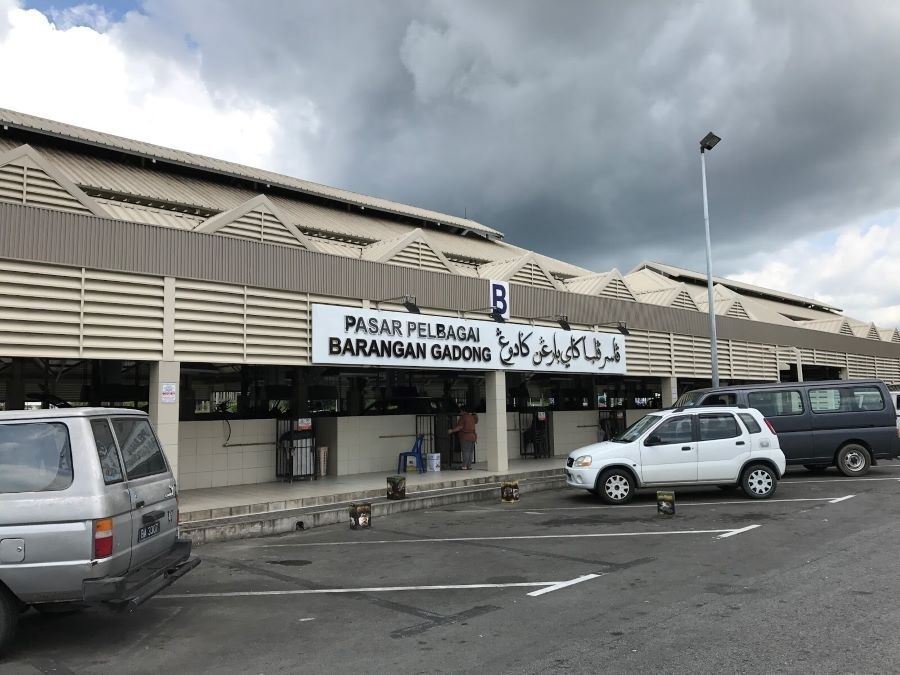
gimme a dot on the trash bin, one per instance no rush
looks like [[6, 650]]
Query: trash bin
[[434, 461], [396, 487], [509, 491], [360, 516]]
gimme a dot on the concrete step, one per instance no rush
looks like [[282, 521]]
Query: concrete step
[[281, 521]]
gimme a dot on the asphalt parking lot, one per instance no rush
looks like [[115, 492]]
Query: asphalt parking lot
[[803, 582]]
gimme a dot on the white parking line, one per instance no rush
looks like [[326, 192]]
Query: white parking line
[[736, 532], [652, 505], [841, 499], [591, 535], [834, 480], [564, 584], [370, 589]]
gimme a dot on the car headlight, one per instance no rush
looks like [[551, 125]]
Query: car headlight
[[583, 461]]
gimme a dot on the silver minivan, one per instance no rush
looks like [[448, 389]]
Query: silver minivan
[[88, 512]]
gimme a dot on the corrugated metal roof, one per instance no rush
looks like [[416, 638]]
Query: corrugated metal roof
[[149, 215], [149, 150], [701, 278], [665, 297], [645, 281]]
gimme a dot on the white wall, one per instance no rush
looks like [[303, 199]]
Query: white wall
[[573, 429], [203, 461], [371, 443]]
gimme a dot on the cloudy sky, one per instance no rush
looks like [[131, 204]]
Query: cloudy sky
[[572, 127]]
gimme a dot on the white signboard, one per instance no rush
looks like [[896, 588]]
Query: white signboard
[[168, 392], [361, 337]]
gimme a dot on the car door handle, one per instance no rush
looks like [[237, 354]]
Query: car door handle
[[740, 443], [171, 492], [139, 504], [686, 448], [152, 517]]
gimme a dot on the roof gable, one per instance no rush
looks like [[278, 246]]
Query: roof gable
[[410, 250], [674, 296], [526, 269], [26, 177], [257, 219], [607, 285]]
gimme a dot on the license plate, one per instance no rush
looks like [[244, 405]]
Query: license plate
[[148, 531]]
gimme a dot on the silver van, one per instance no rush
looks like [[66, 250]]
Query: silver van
[[88, 512]]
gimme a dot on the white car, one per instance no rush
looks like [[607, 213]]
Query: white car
[[682, 446]]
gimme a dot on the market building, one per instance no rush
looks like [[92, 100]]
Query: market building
[[224, 298]]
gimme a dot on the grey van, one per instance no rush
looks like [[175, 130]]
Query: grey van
[[848, 423], [88, 512]]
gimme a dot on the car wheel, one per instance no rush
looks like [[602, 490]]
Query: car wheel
[[615, 486], [853, 460], [9, 618], [815, 468], [759, 481]]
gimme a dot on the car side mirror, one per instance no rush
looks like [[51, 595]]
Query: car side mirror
[[653, 440]]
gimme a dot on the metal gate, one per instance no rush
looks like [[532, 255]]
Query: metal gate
[[610, 423], [536, 432]]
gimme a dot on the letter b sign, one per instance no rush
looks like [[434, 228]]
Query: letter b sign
[[499, 300]]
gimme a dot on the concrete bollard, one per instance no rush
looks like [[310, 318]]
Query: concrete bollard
[[360, 516], [665, 503], [509, 491], [396, 487]]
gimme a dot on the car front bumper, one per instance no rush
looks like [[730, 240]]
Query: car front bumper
[[586, 478], [139, 585]]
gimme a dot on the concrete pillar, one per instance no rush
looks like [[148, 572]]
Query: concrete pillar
[[164, 407], [799, 365], [669, 391], [15, 386], [492, 428], [844, 373]]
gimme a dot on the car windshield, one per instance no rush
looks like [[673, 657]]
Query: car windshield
[[689, 399], [635, 430]]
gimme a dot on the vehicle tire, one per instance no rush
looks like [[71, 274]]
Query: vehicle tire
[[615, 486], [853, 460], [758, 481], [816, 468], [9, 619]]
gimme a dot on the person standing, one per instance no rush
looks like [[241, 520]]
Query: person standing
[[465, 430]]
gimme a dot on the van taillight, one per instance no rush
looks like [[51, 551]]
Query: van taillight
[[769, 424], [103, 538]]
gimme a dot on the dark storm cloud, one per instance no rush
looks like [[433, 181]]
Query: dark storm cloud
[[574, 127]]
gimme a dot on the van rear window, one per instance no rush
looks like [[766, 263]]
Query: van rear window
[[846, 399], [35, 457]]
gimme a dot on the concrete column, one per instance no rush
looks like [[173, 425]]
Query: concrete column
[[844, 374], [669, 387], [799, 365], [164, 407], [15, 386], [492, 428]]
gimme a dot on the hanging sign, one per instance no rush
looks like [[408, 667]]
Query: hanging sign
[[361, 337]]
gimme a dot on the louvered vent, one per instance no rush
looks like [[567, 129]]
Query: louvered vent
[[260, 225], [887, 369], [684, 301], [123, 316], [737, 311], [40, 310], [532, 275], [846, 330], [420, 256], [209, 322], [895, 338], [692, 356], [860, 366], [873, 333], [617, 289], [277, 327], [32, 186]]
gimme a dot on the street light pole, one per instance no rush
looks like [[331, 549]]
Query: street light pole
[[708, 143]]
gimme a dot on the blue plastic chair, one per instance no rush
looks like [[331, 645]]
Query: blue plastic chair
[[416, 452]]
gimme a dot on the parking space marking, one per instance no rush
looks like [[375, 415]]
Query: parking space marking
[[370, 589], [652, 505], [831, 480], [841, 499], [564, 584], [590, 535], [737, 532]]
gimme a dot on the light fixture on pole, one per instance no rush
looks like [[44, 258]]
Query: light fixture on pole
[[409, 302], [561, 319], [708, 142], [618, 325], [494, 313]]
